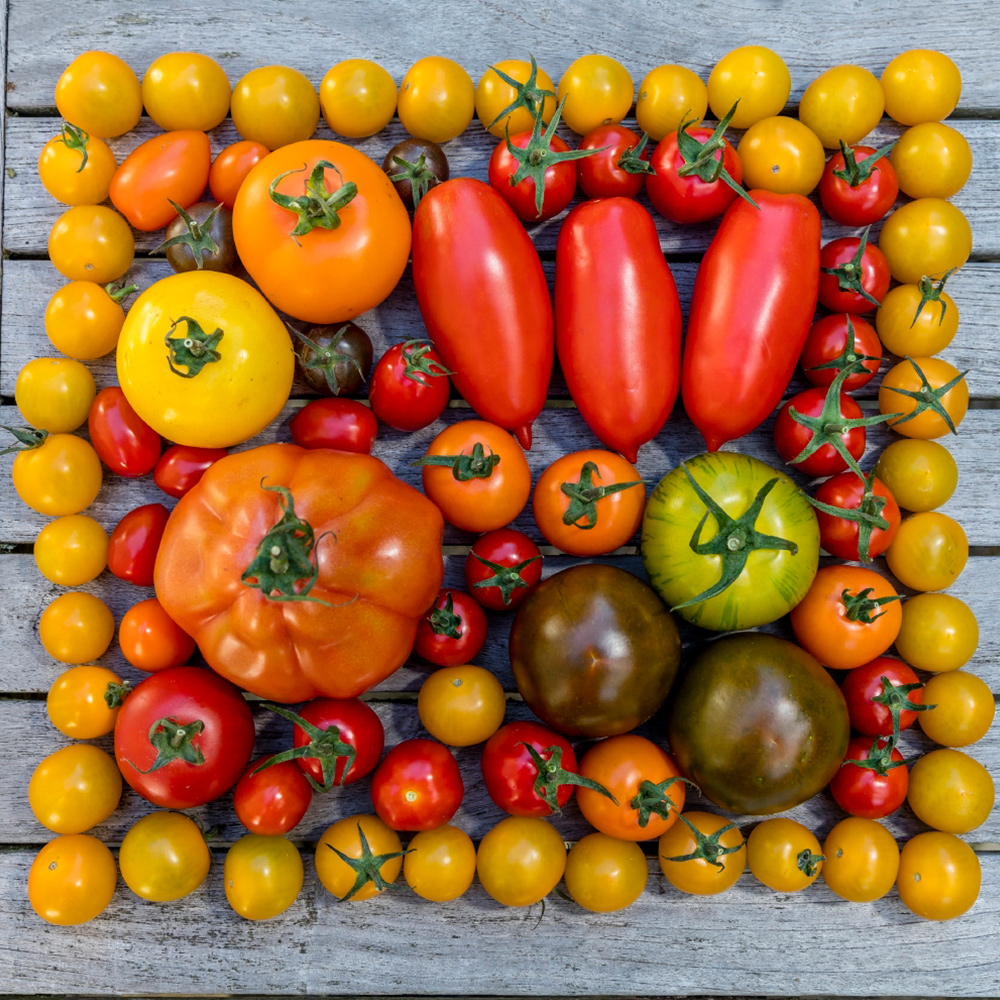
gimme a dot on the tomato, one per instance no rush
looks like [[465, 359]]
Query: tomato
[[757, 724], [939, 633], [753, 303], [134, 543], [872, 780], [169, 167], [865, 518], [597, 89], [594, 651], [164, 857], [854, 275], [618, 166], [71, 550], [962, 709], [314, 273], [861, 860], [510, 92], [200, 237], [836, 342], [762, 558], [520, 860], [186, 90], [409, 388], [271, 801], [604, 874], [939, 876], [842, 104], [83, 319], [755, 76], [72, 879], [883, 696], [453, 631], [92, 243], [475, 267], [929, 552], [781, 154], [358, 857], [920, 85], [75, 168], [931, 395], [784, 855], [615, 299], [926, 237], [74, 789], [417, 786], [128, 446], [54, 394], [262, 876], [501, 568], [333, 360], [461, 705], [922, 475], [194, 726], [950, 791], [333, 422], [645, 784], [414, 166], [275, 106], [436, 99], [440, 863], [180, 467], [150, 639], [83, 701], [100, 93], [668, 95], [230, 167], [932, 160], [55, 474], [917, 320], [76, 627], [357, 97], [477, 474], [849, 616], [859, 185], [703, 855]]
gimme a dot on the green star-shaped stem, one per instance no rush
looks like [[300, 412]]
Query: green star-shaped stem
[[318, 208], [583, 496]]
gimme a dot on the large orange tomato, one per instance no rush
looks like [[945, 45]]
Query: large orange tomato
[[321, 231], [301, 573]]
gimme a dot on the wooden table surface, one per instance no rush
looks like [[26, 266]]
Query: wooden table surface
[[748, 941]]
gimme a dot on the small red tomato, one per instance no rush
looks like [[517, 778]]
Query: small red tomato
[[878, 690], [230, 167], [826, 429], [417, 786], [501, 568], [151, 640], [134, 542], [271, 800], [859, 185], [335, 422], [127, 445], [181, 466], [837, 341], [869, 519], [873, 779], [409, 387], [619, 165], [453, 631], [854, 275]]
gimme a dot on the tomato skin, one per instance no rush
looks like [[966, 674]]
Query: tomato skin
[[76, 627], [333, 422], [67, 178], [164, 856], [781, 154], [698, 876], [827, 340], [928, 236], [939, 633], [345, 836], [134, 542], [520, 860], [275, 106], [615, 299], [933, 160], [668, 95], [262, 876], [72, 879], [91, 243], [862, 860], [929, 552], [907, 325], [839, 535], [437, 99], [75, 703], [434, 643], [493, 94], [963, 711], [599, 175], [74, 789], [440, 863], [71, 550], [604, 874], [128, 446], [151, 640], [872, 271], [791, 437], [950, 791], [865, 203], [186, 90], [922, 474], [559, 184], [417, 786], [475, 267], [921, 85], [775, 850], [100, 92], [928, 424], [597, 89], [357, 724], [357, 97], [753, 303], [861, 791], [272, 801], [180, 467], [754, 75], [939, 876], [862, 684], [408, 402], [61, 476], [506, 548], [461, 705], [171, 166], [230, 168]]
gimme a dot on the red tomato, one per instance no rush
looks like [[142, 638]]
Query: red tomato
[[417, 786], [134, 542], [151, 640], [453, 631], [829, 425], [271, 801], [829, 347], [334, 422], [183, 737], [128, 446], [515, 177], [409, 388], [475, 268], [869, 522], [854, 275], [753, 303], [173, 166], [619, 165], [501, 568], [615, 300], [231, 166], [181, 466], [859, 185], [873, 779], [877, 690]]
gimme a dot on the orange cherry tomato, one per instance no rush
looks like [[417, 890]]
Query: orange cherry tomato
[[151, 640], [231, 166]]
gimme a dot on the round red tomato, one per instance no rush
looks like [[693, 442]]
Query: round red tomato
[[854, 275], [839, 341], [453, 631], [866, 518], [409, 388], [501, 568], [128, 446], [873, 779], [334, 422], [181, 466], [272, 800], [859, 185], [134, 542], [619, 164], [151, 640], [183, 737], [417, 786], [883, 696]]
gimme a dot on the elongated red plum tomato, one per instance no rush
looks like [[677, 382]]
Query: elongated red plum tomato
[[128, 446], [134, 542]]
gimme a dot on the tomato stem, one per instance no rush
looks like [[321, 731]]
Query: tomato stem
[[552, 775], [653, 798], [855, 174], [193, 351], [930, 291], [198, 237], [172, 741], [475, 465], [414, 354], [896, 698], [867, 515], [444, 621], [849, 356], [326, 359], [583, 496], [325, 746], [73, 137], [707, 846], [505, 578], [850, 274], [926, 398], [317, 208], [700, 157], [30, 438], [860, 607], [528, 94], [367, 868]]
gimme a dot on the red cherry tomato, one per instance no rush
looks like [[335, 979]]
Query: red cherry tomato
[[877, 785], [181, 466], [334, 422], [417, 786], [791, 437], [409, 387], [858, 193], [453, 631], [127, 445], [230, 167], [134, 542], [840, 535], [870, 702], [272, 801], [854, 275], [618, 167], [501, 568], [151, 640], [828, 341]]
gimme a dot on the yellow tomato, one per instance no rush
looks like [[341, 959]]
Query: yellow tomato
[[54, 394], [461, 705], [921, 475], [950, 791], [494, 95], [358, 98], [72, 879], [939, 876], [91, 243], [784, 855], [963, 710], [275, 106], [99, 93], [262, 876], [929, 551], [205, 360], [60, 474], [83, 319], [927, 237], [75, 168], [668, 96], [76, 627], [914, 387], [604, 874], [76, 702], [598, 90], [440, 863], [931, 160], [938, 633], [186, 90], [75, 788], [781, 154], [861, 860], [917, 320], [164, 856], [843, 104], [520, 860], [71, 550], [921, 85], [755, 76], [720, 849], [437, 99]]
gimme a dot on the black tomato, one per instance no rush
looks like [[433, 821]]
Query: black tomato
[[333, 360]]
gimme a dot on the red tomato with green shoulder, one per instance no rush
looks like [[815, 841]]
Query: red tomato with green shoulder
[[501, 568], [335, 422], [619, 165], [417, 786], [453, 631], [873, 780], [127, 445], [134, 542], [180, 467], [859, 185]]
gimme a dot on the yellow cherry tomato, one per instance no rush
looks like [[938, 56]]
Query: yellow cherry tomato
[[950, 791], [929, 551], [262, 875], [861, 860], [914, 387], [461, 705], [439, 864], [75, 788], [784, 855], [225, 389], [76, 627], [76, 168], [275, 106], [61, 474], [917, 320], [921, 475], [186, 90], [939, 876], [520, 860], [91, 243], [83, 319], [164, 856], [701, 876], [781, 154], [932, 160], [76, 702], [668, 96], [755, 76], [598, 91], [100, 93], [921, 85], [365, 839], [357, 97], [927, 237], [494, 95], [938, 633], [842, 105], [54, 394], [437, 99], [604, 874], [72, 879], [71, 550], [964, 708]]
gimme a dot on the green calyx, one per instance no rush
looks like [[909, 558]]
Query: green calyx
[[528, 94], [367, 868], [317, 208], [855, 174], [444, 621], [927, 397], [808, 863], [326, 359], [420, 176], [418, 365], [849, 356], [476, 465], [860, 607], [115, 694], [172, 741], [193, 351], [73, 137], [552, 775], [632, 161], [707, 846], [867, 515], [505, 578], [879, 757], [118, 292], [583, 496], [198, 237], [325, 745], [652, 798], [735, 539], [699, 157], [30, 438], [850, 274], [930, 291], [896, 698]]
